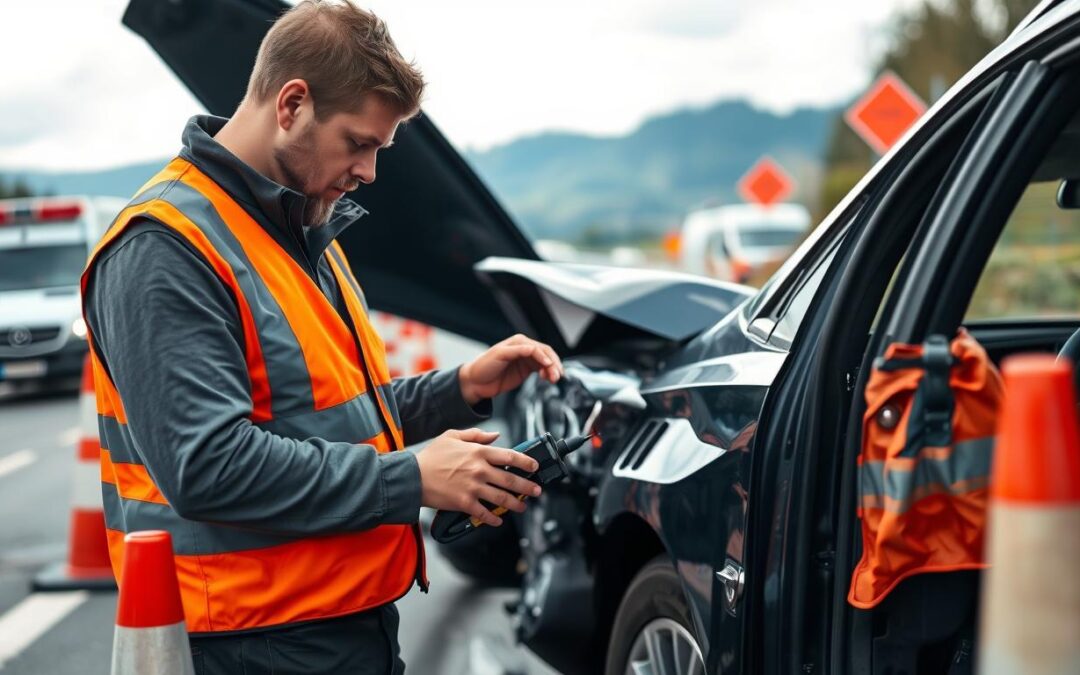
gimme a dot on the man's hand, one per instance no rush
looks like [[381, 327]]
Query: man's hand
[[505, 366], [459, 468]]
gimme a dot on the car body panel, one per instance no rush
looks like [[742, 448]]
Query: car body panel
[[718, 241], [700, 517], [692, 486], [36, 309], [40, 313], [577, 307]]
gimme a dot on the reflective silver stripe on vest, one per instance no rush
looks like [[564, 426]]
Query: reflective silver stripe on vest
[[189, 537], [349, 277], [286, 370], [354, 421], [387, 392], [151, 193], [116, 438], [967, 468]]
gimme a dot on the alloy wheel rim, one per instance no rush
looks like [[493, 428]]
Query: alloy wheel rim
[[665, 647]]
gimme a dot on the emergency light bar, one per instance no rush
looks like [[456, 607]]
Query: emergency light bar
[[42, 212]]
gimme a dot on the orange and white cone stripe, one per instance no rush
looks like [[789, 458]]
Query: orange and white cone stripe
[[1030, 620], [150, 638], [87, 566]]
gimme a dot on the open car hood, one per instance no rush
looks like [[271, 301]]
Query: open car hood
[[431, 218], [586, 308]]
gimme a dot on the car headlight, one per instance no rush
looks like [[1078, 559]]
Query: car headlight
[[78, 328]]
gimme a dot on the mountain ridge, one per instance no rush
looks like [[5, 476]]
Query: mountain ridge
[[570, 185]]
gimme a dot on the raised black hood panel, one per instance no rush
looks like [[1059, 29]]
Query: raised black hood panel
[[585, 308], [431, 217]]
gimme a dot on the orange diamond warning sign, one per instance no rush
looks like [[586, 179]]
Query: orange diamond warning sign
[[766, 183], [885, 112]]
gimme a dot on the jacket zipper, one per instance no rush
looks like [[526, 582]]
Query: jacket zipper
[[313, 273]]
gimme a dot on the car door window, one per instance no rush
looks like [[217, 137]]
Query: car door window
[[788, 324], [1002, 204], [1034, 270]]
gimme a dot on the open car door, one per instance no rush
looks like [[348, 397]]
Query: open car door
[[431, 218]]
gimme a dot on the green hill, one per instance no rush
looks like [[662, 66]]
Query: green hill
[[560, 184]]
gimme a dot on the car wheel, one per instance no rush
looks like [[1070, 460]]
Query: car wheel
[[653, 633]]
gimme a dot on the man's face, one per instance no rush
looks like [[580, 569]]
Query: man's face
[[324, 160]]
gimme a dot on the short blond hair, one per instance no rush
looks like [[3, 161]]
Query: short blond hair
[[344, 53]]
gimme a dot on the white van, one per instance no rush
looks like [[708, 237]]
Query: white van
[[44, 244], [731, 242]]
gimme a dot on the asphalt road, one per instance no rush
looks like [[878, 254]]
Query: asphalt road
[[456, 629]]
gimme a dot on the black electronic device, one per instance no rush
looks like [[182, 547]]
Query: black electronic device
[[548, 451]]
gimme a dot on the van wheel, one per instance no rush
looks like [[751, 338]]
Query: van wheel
[[653, 632]]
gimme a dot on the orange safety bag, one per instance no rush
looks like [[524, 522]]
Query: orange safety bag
[[927, 444]]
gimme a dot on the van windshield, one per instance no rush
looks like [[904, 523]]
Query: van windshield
[[41, 266], [771, 237]]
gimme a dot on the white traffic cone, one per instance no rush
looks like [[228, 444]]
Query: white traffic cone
[[151, 638], [87, 566], [1030, 621]]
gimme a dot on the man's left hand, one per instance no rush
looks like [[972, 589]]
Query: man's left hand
[[505, 366]]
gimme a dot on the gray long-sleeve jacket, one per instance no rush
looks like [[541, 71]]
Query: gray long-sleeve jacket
[[168, 332]]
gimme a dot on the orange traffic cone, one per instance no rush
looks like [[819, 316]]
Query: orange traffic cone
[[425, 360], [409, 344], [1031, 594], [150, 635], [87, 566]]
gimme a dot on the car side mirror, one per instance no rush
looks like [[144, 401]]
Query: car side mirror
[[1068, 194]]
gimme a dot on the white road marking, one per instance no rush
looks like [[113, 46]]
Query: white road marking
[[69, 436], [481, 660], [16, 461], [32, 618]]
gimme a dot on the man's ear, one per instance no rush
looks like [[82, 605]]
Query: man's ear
[[292, 99]]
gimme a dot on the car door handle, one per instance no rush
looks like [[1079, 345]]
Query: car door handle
[[732, 577]]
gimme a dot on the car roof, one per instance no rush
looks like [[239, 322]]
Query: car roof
[[1039, 10]]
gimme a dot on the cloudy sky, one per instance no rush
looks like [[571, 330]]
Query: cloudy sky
[[497, 69]]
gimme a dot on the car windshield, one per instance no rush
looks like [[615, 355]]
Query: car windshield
[[768, 237], [41, 266]]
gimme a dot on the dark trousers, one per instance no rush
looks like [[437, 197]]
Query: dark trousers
[[360, 644]]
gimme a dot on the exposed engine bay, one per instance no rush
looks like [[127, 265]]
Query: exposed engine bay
[[557, 537], [614, 328]]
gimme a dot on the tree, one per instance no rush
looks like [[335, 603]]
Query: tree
[[18, 188]]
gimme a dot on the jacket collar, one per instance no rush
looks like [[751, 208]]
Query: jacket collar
[[281, 208]]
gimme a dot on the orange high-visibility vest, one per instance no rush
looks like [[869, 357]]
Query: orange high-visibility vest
[[321, 382], [924, 470]]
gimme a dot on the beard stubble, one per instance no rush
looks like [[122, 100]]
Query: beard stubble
[[298, 167]]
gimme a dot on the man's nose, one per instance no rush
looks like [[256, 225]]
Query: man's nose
[[365, 171]]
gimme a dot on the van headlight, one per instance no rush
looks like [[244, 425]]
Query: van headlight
[[78, 328]]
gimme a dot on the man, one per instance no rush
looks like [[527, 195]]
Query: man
[[243, 397]]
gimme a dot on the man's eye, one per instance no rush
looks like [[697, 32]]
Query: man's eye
[[358, 145]]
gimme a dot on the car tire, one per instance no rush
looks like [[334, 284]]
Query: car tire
[[654, 607]]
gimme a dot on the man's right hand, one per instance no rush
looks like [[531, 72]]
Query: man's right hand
[[459, 468]]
